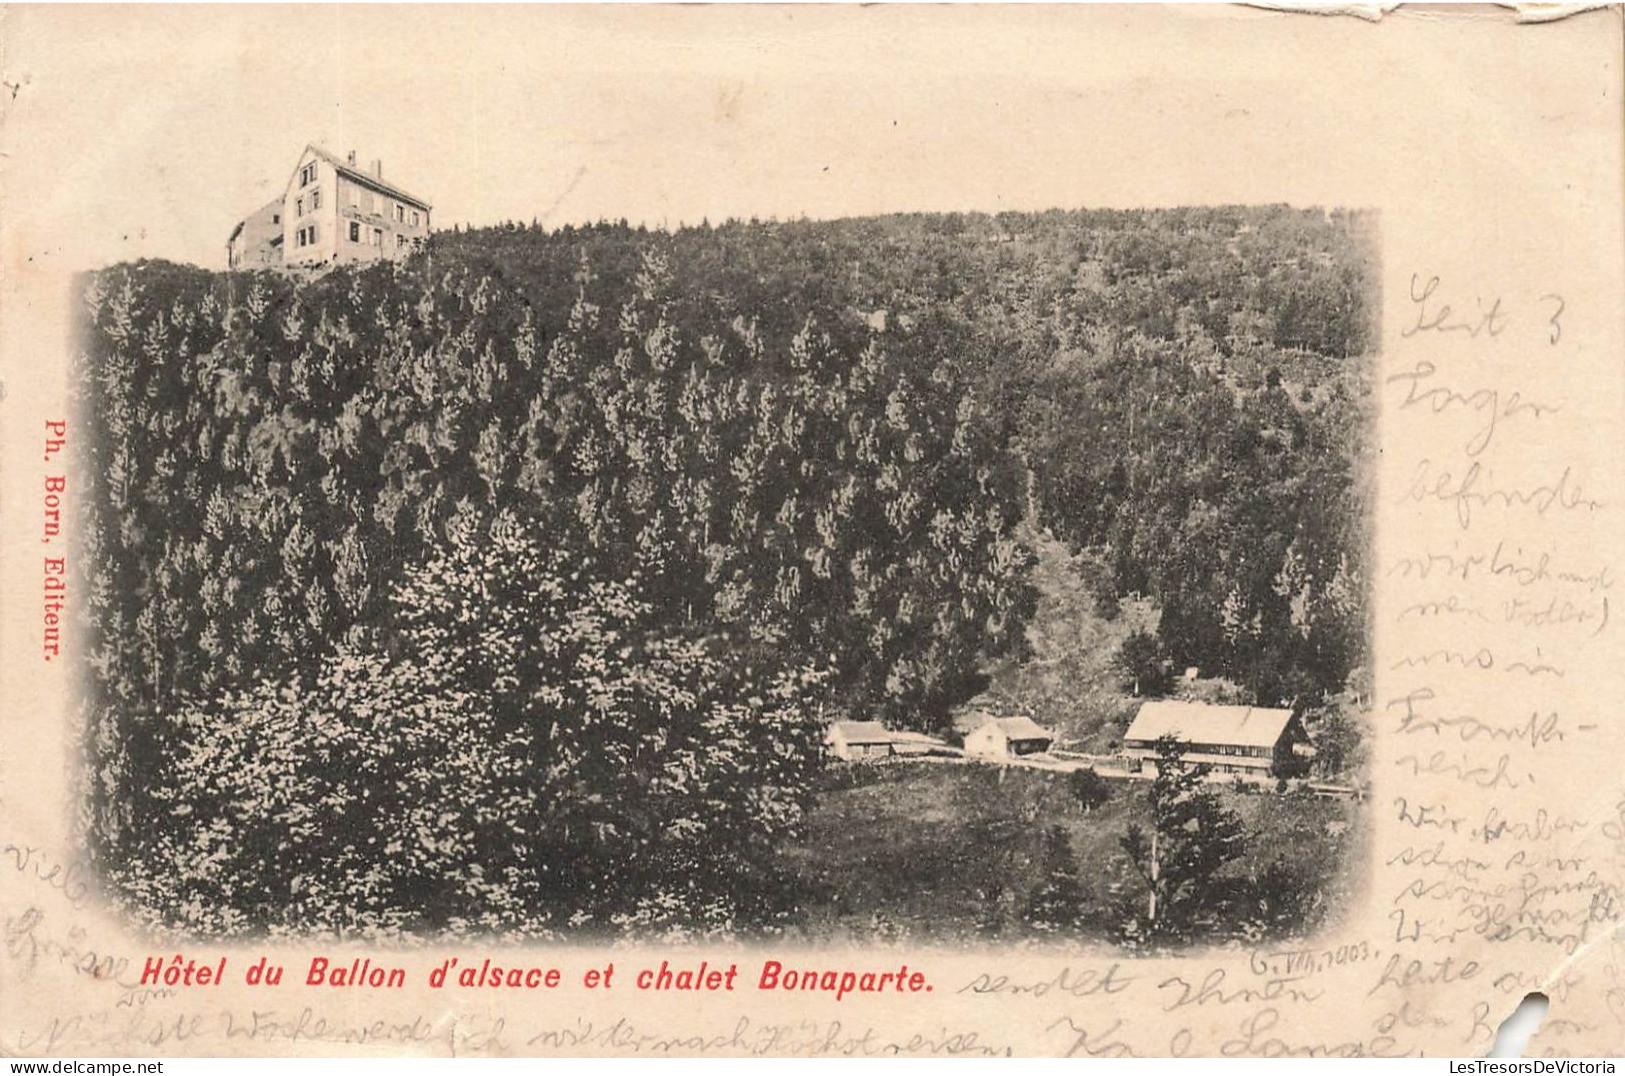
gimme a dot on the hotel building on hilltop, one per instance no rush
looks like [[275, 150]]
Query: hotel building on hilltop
[[331, 213]]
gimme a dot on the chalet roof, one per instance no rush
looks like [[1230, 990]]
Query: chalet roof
[[349, 171], [862, 732], [1022, 728], [1198, 722]]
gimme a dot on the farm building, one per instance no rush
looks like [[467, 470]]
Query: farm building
[[853, 740], [1246, 740], [858, 739], [1007, 737]]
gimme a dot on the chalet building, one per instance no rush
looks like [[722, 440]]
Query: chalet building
[[330, 213], [852, 740], [1008, 737], [1234, 740]]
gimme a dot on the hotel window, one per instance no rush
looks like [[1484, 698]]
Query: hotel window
[[400, 241], [400, 213], [307, 174], [299, 208], [316, 198], [313, 233], [414, 218], [355, 232], [378, 237]]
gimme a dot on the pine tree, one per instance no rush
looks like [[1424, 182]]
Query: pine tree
[[1057, 902], [1192, 837]]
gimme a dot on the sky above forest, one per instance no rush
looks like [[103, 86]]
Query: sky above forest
[[149, 131], [154, 129]]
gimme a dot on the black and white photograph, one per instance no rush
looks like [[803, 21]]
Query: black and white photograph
[[809, 530], [953, 575]]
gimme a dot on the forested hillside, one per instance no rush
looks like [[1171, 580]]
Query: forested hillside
[[510, 588], [1184, 386]]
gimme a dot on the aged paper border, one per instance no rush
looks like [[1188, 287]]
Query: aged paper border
[[1492, 152]]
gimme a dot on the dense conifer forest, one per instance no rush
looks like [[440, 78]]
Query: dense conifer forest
[[511, 587]]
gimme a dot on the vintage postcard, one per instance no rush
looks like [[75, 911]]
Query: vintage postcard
[[810, 531]]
